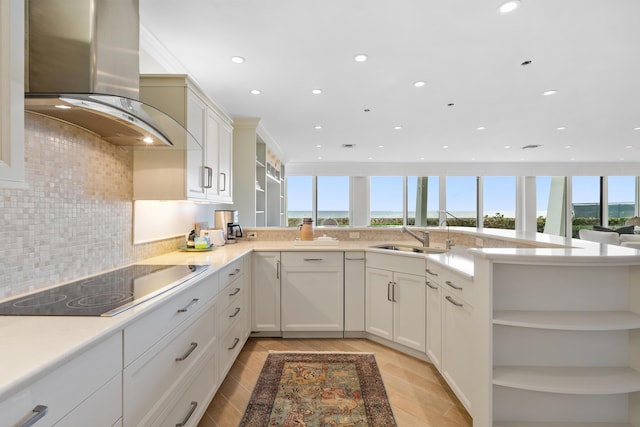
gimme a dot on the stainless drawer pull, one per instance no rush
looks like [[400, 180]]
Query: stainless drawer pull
[[234, 292], [236, 271], [457, 288], [313, 259], [431, 272], [235, 313], [188, 353], [278, 269], [235, 343], [184, 422], [354, 259], [454, 302], [36, 413], [191, 304], [224, 181], [430, 285], [393, 291], [389, 291]]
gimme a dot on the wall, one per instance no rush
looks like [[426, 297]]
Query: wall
[[75, 217]]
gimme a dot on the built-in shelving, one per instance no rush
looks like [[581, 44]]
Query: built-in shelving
[[569, 320]]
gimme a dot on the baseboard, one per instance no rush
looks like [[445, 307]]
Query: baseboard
[[266, 334], [312, 334], [355, 334], [401, 348]]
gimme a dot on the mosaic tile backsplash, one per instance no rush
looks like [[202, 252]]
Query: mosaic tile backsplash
[[75, 217]]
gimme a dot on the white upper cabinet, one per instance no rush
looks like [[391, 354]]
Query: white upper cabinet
[[12, 93], [196, 169]]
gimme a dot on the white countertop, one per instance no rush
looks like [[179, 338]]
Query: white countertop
[[32, 346]]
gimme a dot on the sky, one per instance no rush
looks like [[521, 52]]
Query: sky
[[499, 192]]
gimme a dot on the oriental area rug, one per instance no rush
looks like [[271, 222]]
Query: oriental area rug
[[319, 390]]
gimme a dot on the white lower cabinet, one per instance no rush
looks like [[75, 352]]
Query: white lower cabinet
[[75, 394], [265, 293], [312, 291], [354, 292], [434, 323], [396, 299]]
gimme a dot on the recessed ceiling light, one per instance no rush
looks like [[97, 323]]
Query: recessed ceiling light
[[481, 128], [507, 146], [636, 128], [318, 146], [237, 59], [319, 157], [317, 127], [549, 92], [621, 158], [380, 146], [397, 127], [63, 107], [421, 158], [572, 159], [370, 158], [628, 146], [445, 147], [562, 128], [508, 6], [361, 57], [419, 84], [316, 91], [255, 92], [567, 146], [148, 140]]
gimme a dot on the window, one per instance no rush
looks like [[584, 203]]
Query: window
[[299, 199], [499, 202], [543, 188], [622, 199], [423, 200], [386, 200], [333, 199], [585, 202], [461, 200]]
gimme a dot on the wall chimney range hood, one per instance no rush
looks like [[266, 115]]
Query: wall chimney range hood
[[82, 67]]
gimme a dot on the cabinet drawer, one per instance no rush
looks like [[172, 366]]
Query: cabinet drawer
[[231, 272], [154, 377], [228, 348], [190, 406], [230, 314], [454, 283], [401, 263], [229, 295], [102, 409], [146, 331], [306, 259], [66, 387]]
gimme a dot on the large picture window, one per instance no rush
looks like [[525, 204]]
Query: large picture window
[[499, 202], [423, 200], [385, 200], [333, 200], [462, 200]]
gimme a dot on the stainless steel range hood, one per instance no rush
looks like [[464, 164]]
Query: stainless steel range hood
[[82, 67]]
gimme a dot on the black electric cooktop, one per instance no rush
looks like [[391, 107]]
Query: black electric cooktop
[[106, 294]]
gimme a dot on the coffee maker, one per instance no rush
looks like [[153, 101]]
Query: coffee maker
[[228, 222]]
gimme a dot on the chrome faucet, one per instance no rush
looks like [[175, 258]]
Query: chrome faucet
[[448, 243], [424, 239]]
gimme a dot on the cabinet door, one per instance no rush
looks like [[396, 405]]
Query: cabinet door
[[265, 295], [210, 171], [354, 291], [457, 345], [434, 324], [408, 294], [196, 119], [225, 162], [379, 306], [312, 293]]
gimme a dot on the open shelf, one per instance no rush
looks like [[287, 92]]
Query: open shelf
[[568, 380], [569, 320]]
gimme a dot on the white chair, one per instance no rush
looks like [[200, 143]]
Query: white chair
[[609, 237]]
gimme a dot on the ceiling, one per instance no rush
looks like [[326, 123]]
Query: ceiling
[[479, 102]]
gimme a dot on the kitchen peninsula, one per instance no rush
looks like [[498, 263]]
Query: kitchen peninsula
[[527, 330]]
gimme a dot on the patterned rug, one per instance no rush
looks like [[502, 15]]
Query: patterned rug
[[319, 390]]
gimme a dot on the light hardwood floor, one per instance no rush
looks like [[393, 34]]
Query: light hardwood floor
[[418, 394]]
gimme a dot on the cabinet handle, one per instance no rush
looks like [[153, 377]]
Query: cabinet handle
[[235, 343], [234, 292], [354, 259], [393, 291], [313, 259], [236, 271], [224, 181], [431, 272], [188, 353], [457, 288], [36, 413], [207, 176], [389, 291], [188, 307], [454, 302], [236, 312], [430, 285], [278, 269], [184, 422]]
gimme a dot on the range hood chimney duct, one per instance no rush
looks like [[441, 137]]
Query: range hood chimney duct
[[82, 67]]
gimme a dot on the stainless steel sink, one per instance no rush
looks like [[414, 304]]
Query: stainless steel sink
[[408, 248]]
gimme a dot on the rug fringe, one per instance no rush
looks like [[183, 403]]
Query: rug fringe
[[323, 352]]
